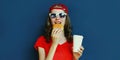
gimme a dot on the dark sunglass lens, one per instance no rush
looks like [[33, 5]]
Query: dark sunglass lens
[[53, 15], [62, 15]]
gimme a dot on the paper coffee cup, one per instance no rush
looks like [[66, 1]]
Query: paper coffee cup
[[77, 42]]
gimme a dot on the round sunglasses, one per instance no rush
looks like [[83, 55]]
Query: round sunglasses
[[54, 15]]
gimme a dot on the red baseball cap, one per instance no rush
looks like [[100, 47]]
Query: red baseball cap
[[59, 6]]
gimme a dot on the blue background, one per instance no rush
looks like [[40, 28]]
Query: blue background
[[22, 21]]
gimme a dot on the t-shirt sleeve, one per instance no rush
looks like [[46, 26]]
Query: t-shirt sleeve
[[41, 42]]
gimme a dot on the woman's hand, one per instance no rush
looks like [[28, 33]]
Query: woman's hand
[[77, 55], [56, 33]]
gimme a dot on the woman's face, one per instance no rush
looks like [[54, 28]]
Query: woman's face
[[57, 16]]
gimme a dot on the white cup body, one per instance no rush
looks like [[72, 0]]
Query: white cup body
[[77, 42]]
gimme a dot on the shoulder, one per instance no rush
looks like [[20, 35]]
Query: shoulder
[[40, 42], [41, 38]]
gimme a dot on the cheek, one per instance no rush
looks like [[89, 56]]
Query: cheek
[[52, 20], [63, 22]]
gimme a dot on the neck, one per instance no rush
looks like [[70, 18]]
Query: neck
[[62, 39]]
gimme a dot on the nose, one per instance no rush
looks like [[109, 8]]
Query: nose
[[57, 17]]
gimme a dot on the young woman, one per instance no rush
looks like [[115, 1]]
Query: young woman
[[57, 41]]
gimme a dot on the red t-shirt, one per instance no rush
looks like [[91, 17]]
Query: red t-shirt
[[63, 52]]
